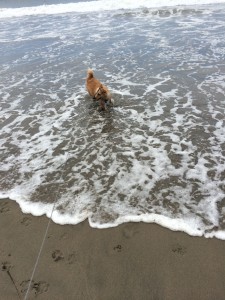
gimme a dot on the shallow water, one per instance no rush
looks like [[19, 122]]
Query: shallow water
[[157, 156]]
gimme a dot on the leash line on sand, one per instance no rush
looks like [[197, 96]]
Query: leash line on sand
[[39, 253], [42, 244]]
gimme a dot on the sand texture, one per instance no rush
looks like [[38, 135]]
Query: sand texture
[[131, 261]]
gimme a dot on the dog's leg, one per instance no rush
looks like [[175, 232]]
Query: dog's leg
[[102, 104], [112, 102]]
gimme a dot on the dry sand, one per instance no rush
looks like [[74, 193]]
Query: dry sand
[[132, 261]]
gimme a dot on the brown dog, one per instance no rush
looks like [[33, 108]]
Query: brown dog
[[97, 90]]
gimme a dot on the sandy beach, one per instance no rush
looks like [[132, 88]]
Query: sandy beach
[[157, 156], [131, 261]]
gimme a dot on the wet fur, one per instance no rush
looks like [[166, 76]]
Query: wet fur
[[97, 90]]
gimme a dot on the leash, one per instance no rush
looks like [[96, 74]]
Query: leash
[[42, 244], [39, 255]]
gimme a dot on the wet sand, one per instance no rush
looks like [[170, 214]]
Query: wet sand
[[131, 261]]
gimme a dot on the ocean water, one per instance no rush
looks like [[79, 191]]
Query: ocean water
[[158, 155]]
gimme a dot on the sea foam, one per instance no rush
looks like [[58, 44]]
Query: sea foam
[[97, 6], [157, 156]]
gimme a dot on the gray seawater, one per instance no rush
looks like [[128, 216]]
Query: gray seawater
[[157, 156], [34, 3]]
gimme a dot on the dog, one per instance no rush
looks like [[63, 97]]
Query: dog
[[98, 91]]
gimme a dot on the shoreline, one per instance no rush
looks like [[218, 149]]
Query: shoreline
[[131, 261]]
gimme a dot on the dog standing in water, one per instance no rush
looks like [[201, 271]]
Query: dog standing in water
[[98, 91]]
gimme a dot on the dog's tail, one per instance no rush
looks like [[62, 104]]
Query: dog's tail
[[90, 73]]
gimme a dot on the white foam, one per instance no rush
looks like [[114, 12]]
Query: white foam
[[191, 226], [97, 6], [156, 157]]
